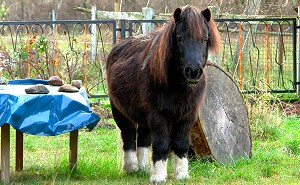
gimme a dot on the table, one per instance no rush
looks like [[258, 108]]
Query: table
[[41, 114]]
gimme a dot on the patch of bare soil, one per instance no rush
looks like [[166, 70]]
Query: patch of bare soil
[[290, 109], [104, 114]]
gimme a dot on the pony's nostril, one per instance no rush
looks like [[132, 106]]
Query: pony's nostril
[[187, 72], [193, 74], [200, 71]]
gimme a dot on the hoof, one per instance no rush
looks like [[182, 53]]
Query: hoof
[[158, 179], [182, 176], [130, 168]]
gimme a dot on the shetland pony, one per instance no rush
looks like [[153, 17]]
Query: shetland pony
[[156, 83]]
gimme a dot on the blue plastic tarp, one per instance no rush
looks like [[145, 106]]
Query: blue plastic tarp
[[44, 114], [29, 81]]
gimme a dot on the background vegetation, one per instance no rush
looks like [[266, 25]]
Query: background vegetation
[[41, 10]]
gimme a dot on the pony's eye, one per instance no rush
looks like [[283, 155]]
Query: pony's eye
[[179, 40], [205, 40]]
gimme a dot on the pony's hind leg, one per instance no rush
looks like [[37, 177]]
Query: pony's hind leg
[[128, 134], [143, 145]]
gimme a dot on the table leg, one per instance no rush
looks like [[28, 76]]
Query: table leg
[[73, 149], [5, 153], [19, 150]]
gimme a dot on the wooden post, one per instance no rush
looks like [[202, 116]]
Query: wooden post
[[114, 15], [94, 36], [53, 25], [19, 150], [148, 14], [85, 71], [241, 55], [73, 149], [56, 59], [224, 119], [5, 153], [28, 55], [298, 85], [117, 9], [267, 57], [117, 5]]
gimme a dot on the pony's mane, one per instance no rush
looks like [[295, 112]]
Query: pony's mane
[[162, 40]]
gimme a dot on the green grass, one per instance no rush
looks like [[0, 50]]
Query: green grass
[[275, 156], [274, 161]]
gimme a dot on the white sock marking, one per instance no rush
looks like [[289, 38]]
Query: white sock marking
[[181, 170], [143, 157], [130, 163], [159, 171]]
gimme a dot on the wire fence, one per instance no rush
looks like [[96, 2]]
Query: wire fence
[[259, 54]]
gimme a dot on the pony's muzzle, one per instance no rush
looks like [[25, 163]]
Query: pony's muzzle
[[193, 74]]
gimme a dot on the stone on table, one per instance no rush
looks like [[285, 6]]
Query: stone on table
[[68, 88], [76, 83], [37, 89], [55, 81]]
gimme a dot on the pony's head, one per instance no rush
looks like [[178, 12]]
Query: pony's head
[[186, 38], [193, 35]]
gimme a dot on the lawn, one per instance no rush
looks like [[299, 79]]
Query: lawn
[[275, 157]]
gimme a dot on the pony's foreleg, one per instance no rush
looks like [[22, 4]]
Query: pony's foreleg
[[180, 147], [181, 164], [128, 134], [143, 145], [160, 146]]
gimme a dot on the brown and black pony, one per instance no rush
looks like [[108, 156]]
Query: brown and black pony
[[156, 83]]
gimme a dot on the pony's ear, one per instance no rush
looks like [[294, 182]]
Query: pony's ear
[[177, 14], [207, 14]]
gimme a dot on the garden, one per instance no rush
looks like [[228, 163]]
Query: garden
[[266, 78]]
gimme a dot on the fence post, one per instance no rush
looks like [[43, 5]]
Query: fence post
[[123, 28], [148, 14], [298, 71], [53, 19], [94, 34]]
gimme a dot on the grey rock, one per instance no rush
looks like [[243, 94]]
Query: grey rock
[[76, 83], [68, 88], [55, 81], [37, 89]]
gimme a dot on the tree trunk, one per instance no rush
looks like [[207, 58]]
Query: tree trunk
[[224, 131]]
